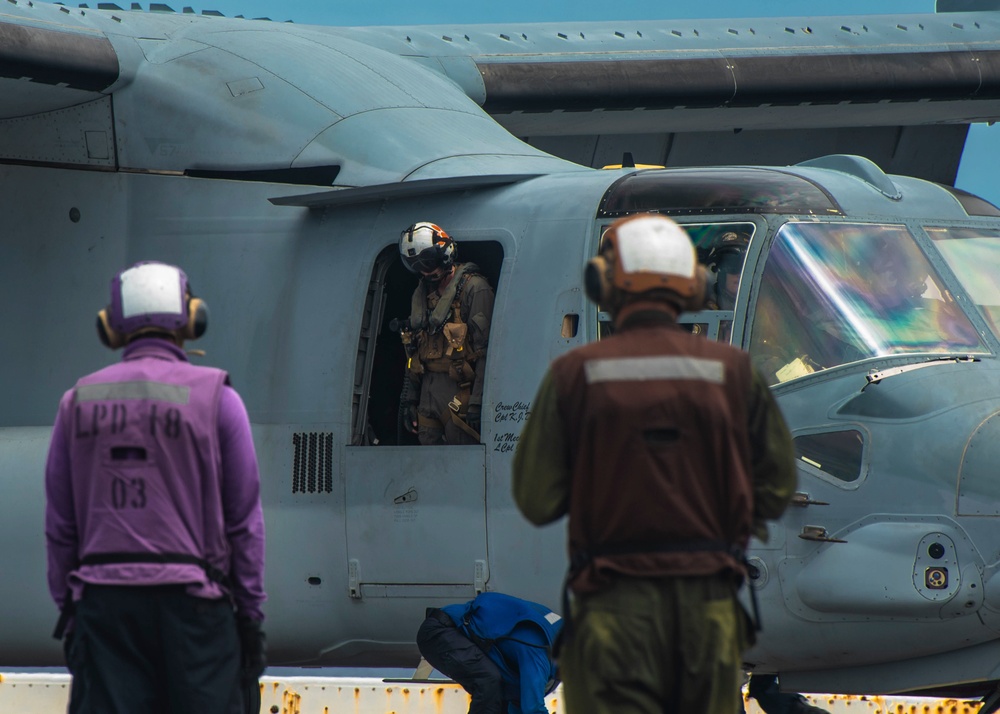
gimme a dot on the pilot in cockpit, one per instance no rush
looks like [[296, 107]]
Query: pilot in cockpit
[[726, 262]]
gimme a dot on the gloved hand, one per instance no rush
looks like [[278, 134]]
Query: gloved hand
[[474, 418], [68, 642], [408, 416], [253, 649], [408, 399]]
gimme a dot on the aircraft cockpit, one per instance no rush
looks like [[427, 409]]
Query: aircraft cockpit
[[805, 288], [835, 293]]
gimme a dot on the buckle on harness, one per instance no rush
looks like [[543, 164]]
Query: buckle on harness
[[455, 405]]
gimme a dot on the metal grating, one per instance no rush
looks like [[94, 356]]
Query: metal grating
[[312, 465]]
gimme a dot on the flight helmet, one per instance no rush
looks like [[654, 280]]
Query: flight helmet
[[728, 253], [147, 298], [425, 247], [650, 255], [726, 259]]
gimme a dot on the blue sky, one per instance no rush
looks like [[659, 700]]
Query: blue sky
[[976, 173]]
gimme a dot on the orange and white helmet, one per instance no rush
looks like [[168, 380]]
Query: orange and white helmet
[[644, 253], [425, 247]]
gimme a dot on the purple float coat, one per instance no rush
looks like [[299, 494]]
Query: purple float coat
[[155, 455]]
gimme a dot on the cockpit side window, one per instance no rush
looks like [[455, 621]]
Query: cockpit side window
[[835, 293], [722, 248]]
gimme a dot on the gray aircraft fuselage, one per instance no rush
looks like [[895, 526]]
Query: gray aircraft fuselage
[[881, 579]]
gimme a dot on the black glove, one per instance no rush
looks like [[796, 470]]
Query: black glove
[[475, 416], [408, 416], [408, 406], [253, 649]]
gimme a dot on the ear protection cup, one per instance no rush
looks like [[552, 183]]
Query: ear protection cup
[[109, 338], [197, 319], [597, 280], [195, 328]]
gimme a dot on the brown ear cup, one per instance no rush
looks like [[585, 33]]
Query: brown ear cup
[[597, 280], [109, 338], [197, 319]]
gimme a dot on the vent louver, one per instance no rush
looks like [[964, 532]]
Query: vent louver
[[312, 466]]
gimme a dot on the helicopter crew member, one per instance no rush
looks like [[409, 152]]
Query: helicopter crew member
[[498, 647], [153, 519], [446, 339], [667, 451], [726, 261]]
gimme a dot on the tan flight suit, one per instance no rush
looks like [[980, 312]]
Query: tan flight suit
[[451, 329], [666, 450]]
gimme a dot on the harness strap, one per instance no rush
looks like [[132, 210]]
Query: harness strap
[[213, 573], [583, 558], [461, 424]]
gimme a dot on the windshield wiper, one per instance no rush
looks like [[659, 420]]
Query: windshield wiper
[[877, 375]]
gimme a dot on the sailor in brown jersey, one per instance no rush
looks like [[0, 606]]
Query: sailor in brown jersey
[[667, 451]]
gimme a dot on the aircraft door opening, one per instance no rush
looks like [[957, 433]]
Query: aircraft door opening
[[416, 515]]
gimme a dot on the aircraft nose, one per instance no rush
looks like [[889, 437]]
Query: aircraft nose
[[979, 474]]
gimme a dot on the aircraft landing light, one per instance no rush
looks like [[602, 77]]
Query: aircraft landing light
[[48, 694]]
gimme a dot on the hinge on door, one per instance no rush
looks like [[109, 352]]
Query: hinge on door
[[353, 577], [818, 533], [479, 579], [802, 499]]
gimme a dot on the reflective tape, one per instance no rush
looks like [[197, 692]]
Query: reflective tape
[[641, 369], [157, 391]]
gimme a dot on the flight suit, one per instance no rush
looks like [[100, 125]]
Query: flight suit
[[155, 532], [667, 451], [451, 329]]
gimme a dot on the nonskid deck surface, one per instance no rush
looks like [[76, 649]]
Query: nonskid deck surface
[[36, 693]]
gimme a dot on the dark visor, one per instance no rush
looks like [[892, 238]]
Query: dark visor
[[426, 261]]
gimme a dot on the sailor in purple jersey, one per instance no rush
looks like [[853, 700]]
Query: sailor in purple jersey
[[153, 522]]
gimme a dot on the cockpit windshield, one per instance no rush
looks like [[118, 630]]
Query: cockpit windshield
[[835, 293], [973, 254]]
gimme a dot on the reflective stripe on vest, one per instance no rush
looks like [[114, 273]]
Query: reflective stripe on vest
[[172, 393], [640, 369]]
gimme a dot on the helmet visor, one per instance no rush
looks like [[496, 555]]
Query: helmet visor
[[426, 261]]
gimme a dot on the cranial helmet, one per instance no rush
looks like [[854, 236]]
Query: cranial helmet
[[728, 254], [646, 253], [151, 297], [425, 247]]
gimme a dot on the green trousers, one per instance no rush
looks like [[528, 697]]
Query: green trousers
[[648, 646]]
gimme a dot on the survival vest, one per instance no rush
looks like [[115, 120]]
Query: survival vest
[[441, 334]]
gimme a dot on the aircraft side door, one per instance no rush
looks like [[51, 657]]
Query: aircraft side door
[[416, 515], [415, 518]]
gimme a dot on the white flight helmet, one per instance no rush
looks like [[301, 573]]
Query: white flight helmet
[[425, 247]]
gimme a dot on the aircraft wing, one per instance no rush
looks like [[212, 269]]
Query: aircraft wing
[[254, 100], [761, 91], [50, 67]]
